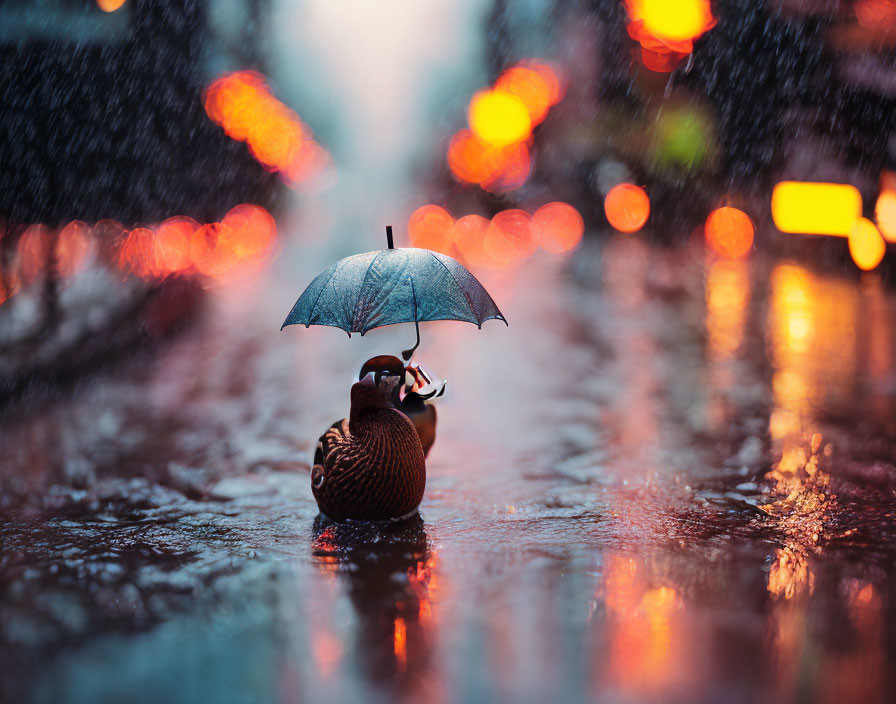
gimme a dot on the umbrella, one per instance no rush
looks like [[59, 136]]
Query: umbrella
[[389, 286]]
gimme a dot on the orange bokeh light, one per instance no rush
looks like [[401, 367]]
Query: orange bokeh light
[[429, 227], [243, 105], [33, 253], [866, 246], [212, 251], [73, 247], [627, 207], [559, 227], [252, 230], [671, 20], [510, 236], [496, 169], [172, 244], [666, 29], [110, 5], [885, 214], [468, 237], [729, 232], [138, 253], [536, 84]]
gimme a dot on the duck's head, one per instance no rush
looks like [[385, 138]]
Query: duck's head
[[382, 363], [376, 389], [383, 367]]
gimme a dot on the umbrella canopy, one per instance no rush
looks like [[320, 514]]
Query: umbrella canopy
[[390, 286]]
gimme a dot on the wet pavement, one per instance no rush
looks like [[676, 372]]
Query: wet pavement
[[670, 479]]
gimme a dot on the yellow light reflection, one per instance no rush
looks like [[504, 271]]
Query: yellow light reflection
[[812, 331], [816, 208], [647, 648], [727, 295]]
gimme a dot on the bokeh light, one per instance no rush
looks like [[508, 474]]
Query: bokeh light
[[181, 245], [74, 245], [559, 227], [211, 249], [510, 237], [110, 5], [243, 105], [627, 207], [682, 137], [172, 244], [496, 169], [885, 214], [252, 230], [499, 118], [816, 208], [33, 253], [468, 237], [536, 84], [876, 14], [429, 227], [137, 254], [672, 20], [866, 245], [729, 232], [666, 29]]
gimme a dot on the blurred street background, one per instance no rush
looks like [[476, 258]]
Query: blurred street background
[[672, 478]]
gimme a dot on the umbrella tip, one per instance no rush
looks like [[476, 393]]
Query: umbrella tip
[[389, 236]]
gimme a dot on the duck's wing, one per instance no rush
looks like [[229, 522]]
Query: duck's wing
[[335, 436]]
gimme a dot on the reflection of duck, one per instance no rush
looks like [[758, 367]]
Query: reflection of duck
[[370, 466], [419, 389], [394, 615]]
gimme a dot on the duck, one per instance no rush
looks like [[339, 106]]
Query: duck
[[370, 466], [419, 389]]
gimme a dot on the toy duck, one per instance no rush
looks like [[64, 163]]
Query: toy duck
[[370, 466], [419, 388]]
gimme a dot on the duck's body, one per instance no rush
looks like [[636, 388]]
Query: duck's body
[[423, 416], [370, 466]]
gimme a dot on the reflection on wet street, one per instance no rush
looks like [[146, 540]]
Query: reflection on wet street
[[669, 480]]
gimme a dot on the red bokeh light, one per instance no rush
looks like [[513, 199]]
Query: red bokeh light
[[559, 227], [627, 207]]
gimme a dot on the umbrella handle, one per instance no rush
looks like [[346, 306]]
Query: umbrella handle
[[407, 354]]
